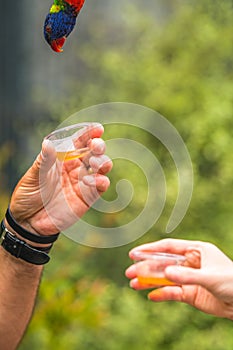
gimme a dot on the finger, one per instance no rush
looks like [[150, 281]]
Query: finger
[[166, 293], [48, 155], [169, 245], [185, 275], [135, 284], [97, 146], [131, 272], [101, 164], [100, 182], [45, 159], [193, 259], [211, 255], [94, 130]]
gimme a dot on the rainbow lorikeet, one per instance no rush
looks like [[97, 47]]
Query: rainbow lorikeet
[[60, 22]]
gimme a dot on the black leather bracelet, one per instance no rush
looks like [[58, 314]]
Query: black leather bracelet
[[20, 249], [28, 235]]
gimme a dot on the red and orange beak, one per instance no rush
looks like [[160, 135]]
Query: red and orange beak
[[57, 44]]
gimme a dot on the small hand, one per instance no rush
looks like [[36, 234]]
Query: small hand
[[205, 283]]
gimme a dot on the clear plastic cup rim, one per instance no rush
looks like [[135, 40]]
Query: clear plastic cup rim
[[53, 135], [145, 255]]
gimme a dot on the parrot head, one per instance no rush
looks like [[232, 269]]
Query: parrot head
[[57, 27]]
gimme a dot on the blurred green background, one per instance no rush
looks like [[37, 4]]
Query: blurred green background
[[172, 56]]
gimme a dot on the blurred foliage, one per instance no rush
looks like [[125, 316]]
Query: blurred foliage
[[180, 66]]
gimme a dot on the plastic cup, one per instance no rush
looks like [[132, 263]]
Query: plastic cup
[[151, 265], [71, 142]]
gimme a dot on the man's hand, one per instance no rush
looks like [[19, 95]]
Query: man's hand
[[53, 195]]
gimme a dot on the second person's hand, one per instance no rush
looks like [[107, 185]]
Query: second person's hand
[[205, 283]]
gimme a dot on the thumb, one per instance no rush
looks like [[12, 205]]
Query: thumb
[[47, 156], [185, 275], [44, 161]]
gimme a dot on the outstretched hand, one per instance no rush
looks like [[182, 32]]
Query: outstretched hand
[[53, 195], [205, 283]]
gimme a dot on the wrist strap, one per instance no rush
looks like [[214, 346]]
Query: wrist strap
[[22, 250], [28, 235]]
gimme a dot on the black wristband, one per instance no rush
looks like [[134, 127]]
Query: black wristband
[[20, 249], [28, 235]]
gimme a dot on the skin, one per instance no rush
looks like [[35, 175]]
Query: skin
[[19, 280], [206, 282]]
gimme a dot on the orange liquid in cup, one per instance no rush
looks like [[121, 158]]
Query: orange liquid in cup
[[150, 268], [70, 155], [154, 281]]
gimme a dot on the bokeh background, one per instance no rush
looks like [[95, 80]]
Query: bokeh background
[[172, 56]]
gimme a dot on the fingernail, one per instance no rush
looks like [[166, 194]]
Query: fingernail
[[131, 270], [132, 284], [98, 146], [46, 145], [90, 179], [154, 294], [44, 150]]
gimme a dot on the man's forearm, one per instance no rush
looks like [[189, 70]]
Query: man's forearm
[[19, 283]]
